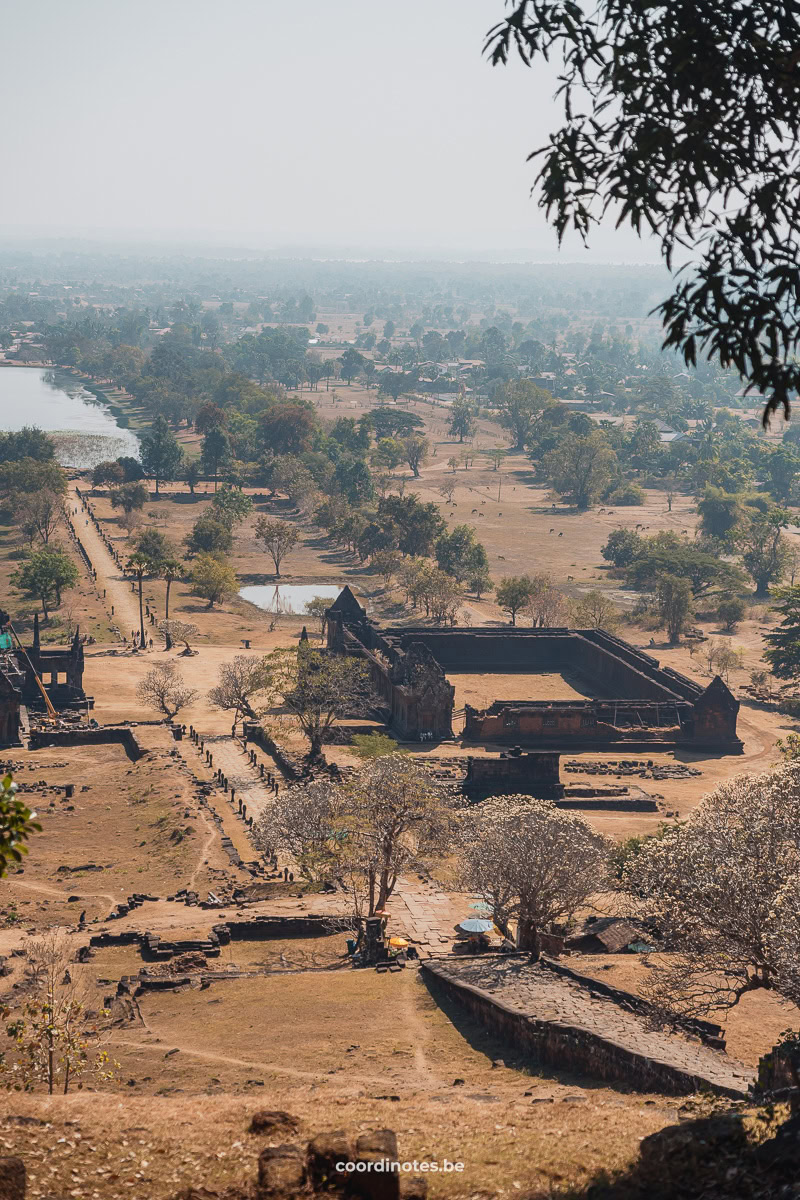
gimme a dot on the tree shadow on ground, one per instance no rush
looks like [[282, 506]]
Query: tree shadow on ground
[[494, 1048]]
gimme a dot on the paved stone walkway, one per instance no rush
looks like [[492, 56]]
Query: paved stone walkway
[[534, 991], [426, 915]]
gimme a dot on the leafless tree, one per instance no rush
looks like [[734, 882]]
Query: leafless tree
[[163, 688], [547, 606], [240, 682], [278, 538], [175, 630]]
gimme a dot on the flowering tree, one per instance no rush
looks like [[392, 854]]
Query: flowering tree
[[533, 863], [388, 819], [724, 892]]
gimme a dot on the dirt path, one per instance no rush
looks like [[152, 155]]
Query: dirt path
[[118, 594]]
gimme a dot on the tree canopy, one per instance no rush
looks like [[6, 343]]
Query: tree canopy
[[683, 119]]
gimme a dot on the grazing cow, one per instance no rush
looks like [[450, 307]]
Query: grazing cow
[[552, 530], [502, 556], [570, 578], [474, 510]]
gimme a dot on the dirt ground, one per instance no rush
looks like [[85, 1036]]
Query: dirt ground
[[334, 1046], [353, 1050]]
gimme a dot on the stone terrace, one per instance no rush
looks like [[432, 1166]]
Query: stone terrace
[[571, 1028]]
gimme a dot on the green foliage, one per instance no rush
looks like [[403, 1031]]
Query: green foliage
[[231, 505], [674, 604], [462, 419], [520, 404], [730, 611], [216, 453], [129, 497], [461, 555], [580, 468], [213, 578], [688, 125], [374, 745], [29, 442], [162, 456], [783, 653], [669, 554], [31, 475], [108, 472], [628, 494], [622, 547], [209, 535], [415, 525], [45, 574], [17, 823], [765, 553], [512, 593], [721, 513]]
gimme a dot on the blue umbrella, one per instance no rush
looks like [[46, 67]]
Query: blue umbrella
[[473, 925]]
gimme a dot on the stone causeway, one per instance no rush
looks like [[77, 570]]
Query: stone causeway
[[563, 1024]]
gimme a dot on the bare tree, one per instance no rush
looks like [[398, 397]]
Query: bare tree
[[175, 630], [240, 682], [533, 863], [40, 513], [317, 607], [278, 538], [547, 606], [722, 889], [163, 688], [55, 1038], [594, 610]]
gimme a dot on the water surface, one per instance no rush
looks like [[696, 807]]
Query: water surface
[[86, 431], [288, 597]]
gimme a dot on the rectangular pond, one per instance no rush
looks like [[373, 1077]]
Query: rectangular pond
[[288, 597]]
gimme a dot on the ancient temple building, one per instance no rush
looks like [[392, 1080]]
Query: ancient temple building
[[60, 670], [626, 699]]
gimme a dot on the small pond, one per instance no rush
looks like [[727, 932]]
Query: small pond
[[288, 597]]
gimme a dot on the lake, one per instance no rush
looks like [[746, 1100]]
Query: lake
[[288, 597], [84, 427]]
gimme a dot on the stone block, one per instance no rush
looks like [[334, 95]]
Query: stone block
[[12, 1179], [281, 1172], [413, 1187], [268, 1121], [324, 1151]]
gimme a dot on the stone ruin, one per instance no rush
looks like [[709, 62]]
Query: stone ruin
[[638, 704]]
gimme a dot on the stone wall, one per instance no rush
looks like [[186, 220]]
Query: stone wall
[[557, 1043], [639, 702], [104, 735]]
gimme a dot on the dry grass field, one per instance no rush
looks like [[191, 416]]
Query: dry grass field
[[303, 1032]]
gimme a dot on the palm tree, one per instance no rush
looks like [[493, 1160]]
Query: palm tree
[[139, 565], [169, 569]]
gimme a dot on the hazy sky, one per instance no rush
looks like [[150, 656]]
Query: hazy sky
[[338, 123]]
